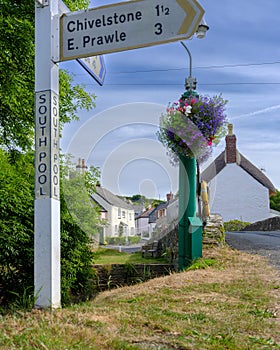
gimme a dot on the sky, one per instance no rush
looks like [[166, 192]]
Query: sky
[[239, 58]]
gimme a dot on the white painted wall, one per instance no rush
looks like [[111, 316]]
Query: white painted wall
[[172, 211], [126, 217], [114, 219], [142, 226], [235, 194]]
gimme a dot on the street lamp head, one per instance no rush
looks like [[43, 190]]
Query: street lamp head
[[202, 29]]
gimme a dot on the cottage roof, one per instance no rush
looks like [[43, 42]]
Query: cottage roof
[[112, 199], [101, 208], [214, 168], [146, 213], [256, 173], [220, 163], [152, 216]]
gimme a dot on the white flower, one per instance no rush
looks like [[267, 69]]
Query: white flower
[[188, 109]]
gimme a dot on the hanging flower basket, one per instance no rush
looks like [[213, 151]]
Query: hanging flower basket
[[192, 126]]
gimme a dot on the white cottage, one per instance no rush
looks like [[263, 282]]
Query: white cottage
[[145, 223], [237, 188], [118, 214]]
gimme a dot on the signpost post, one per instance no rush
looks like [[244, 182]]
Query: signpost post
[[47, 204], [116, 27]]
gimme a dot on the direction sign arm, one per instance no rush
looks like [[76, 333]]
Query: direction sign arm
[[126, 26]]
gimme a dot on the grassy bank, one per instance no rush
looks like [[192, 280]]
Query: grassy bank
[[233, 304]]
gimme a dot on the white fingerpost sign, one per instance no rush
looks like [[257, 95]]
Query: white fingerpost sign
[[117, 27], [94, 65], [47, 204], [127, 25]]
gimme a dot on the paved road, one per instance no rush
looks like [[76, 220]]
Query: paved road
[[258, 242]]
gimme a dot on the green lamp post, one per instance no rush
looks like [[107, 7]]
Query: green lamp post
[[190, 226]]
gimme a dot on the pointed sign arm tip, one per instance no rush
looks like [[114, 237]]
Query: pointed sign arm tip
[[191, 13]]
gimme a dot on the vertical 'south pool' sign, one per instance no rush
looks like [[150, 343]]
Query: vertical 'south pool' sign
[[47, 145], [47, 283]]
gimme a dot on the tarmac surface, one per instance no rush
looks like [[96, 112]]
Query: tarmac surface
[[265, 243]]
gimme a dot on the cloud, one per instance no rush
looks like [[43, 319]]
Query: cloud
[[261, 111]]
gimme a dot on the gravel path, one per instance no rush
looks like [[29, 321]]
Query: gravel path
[[266, 244]]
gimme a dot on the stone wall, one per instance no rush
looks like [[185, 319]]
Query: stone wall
[[117, 275], [214, 232], [168, 245], [271, 224]]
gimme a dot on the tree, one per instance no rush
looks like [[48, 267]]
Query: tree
[[80, 224], [76, 189], [17, 76]]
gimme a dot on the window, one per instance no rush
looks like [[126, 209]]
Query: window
[[119, 213], [123, 214]]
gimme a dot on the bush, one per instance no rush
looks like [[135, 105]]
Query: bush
[[116, 240], [76, 261], [17, 239], [275, 201], [134, 239], [16, 225], [235, 225], [123, 240]]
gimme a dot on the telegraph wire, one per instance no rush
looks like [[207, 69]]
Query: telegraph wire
[[198, 67], [178, 84]]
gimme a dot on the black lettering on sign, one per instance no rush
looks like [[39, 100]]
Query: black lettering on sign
[[42, 193], [42, 143], [42, 168], [42, 98], [42, 155], [55, 180], [159, 29], [47, 145], [92, 41], [42, 179], [70, 44], [43, 120]]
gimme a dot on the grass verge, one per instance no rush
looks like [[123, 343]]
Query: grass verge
[[230, 304], [112, 256]]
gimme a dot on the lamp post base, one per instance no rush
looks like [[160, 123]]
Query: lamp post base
[[190, 226]]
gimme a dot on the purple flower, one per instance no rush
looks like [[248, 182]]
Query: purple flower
[[191, 130]]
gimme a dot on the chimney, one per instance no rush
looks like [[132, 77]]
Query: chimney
[[78, 166], [230, 145], [81, 167], [169, 196], [84, 165]]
